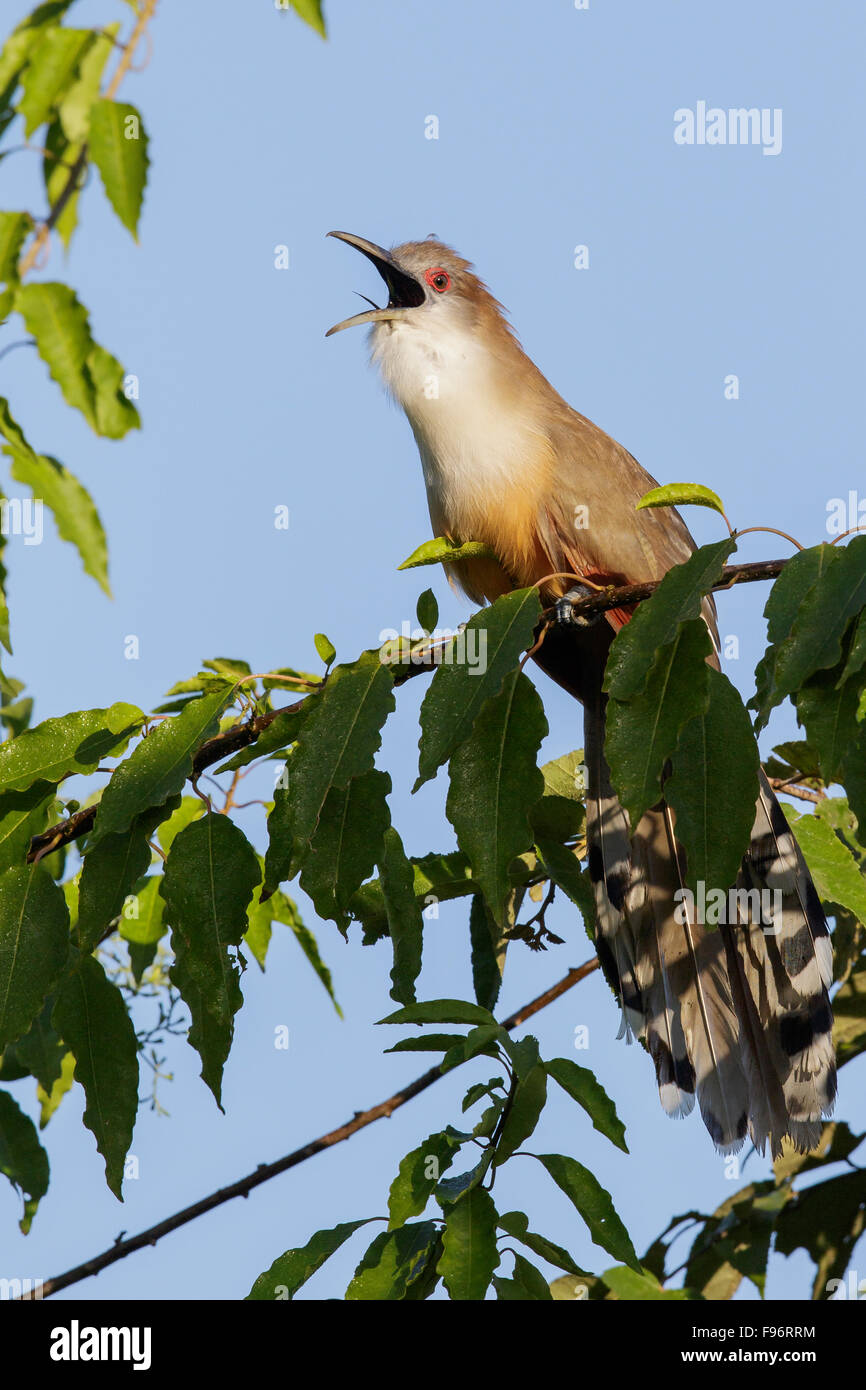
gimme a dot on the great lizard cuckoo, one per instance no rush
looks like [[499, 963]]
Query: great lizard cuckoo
[[737, 1016]]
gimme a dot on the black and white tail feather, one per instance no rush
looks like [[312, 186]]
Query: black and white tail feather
[[736, 1016]]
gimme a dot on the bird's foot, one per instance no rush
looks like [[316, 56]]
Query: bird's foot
[[565, 614]]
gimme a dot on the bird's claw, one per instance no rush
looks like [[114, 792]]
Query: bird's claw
[[565, 614]]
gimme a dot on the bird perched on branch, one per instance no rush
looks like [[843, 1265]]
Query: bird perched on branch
[[735, 1016]]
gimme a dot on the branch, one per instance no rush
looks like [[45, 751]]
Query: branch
[[39, 241], [627, 594], [265, 1171]]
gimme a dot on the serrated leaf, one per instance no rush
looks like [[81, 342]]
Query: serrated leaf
[[493, 780], [291, 1270], [682, 495], [14, 227], [346, 843], [118, 147], [657, 621], [484, 1038], [55, 748], [26, 36], [815, 642], [191, 808], [40, 1050], [523, 1114], [827, 711], [594, 1205], [784, 602], [209, 879], [581, 1084], [469, 1257], [22, 1158], [832, 865], [159, 766], [111, 869], [59, 157], [50, 72], [442, 551], [642, 733], [91, 1017], [23, 814], [490, 648], [34, 943], [441, 1011], [713, 787], [405, 923], [74, 110], [70, 504]]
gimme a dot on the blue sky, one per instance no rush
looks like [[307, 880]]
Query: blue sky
[[555, 130]]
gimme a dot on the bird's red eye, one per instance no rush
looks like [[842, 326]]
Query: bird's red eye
[[438, 278]]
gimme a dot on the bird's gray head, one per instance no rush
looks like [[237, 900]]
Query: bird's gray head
[[428, 284]]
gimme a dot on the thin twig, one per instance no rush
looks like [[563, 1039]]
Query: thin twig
[[265, 1171]]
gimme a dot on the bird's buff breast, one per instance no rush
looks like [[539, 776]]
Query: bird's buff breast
[[486, 464]]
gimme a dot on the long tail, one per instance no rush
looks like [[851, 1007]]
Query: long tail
[[736, 1015]]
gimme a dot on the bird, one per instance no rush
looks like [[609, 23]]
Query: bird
[[733, 1017]]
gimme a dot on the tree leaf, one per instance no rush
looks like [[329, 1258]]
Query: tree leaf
[[111, 869], [488, 953], [828, 713], [59, 157], [34, 943], [441, 1011], [346, 843], [74, 110], [713, 787], [22, 1158], [682, 495], [50, 72], [311, 12], [516, 1225], [91, 1017], [394, 1260], [427, 611], [159, 766], [40, 1050], [582, 1086], [49, 1101], [815, 641], [419, 1174], [657, 622], [23, 814], [594, 1205], [58, 747], [629, 1285], [118, 147], [209, 879], [293, 1268], [405, 923], [491, 646], [784, 602], [14, 227], [523, 1114], [470, 1256], [642, 734], [442, 551], [325, 647], [832, 865], [493, 779], [71, 505], [826, 1220]]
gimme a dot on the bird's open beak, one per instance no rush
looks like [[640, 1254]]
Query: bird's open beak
[[404, 291]]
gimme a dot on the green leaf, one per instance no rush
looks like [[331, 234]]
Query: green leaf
[[118, 147], [594, 1205], [41, 1050], [682, 495], [714, 787], [49, 1101], [14, 227], [488, 953], [286, 912], [23, 814], [22, 1158], [278, 735], [209, 879], [642, 734], [438, 878], [292, 1269], [337, 741], [74, 512], [832, 865], [826, 1220], [57, 748], [442, 551], [50, 72], [393, 1261], [827, 711], [531, 1280], [484, 1038], [628, 1284], [428, 1042], [311, 12], [427, 611], [325, 647], [657, 622], [441, 1011], [516, 1225], [89, 377], [582, 1086], [784, 603], [815, 642], [74, 110], [111, 869], [405, 923], [493, 779], [488, 650], [34, 943], [419, 1173], [25, 38], [346, 843], [523, 1114], [159, 766], [470, 1255], [190, 809], [563, 866], [60, 156], [91, 1017]]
